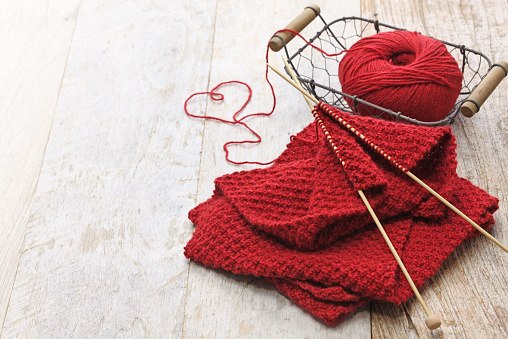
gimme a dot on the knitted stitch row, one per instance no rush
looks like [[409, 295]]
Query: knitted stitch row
[[301, 225], [308, 199]]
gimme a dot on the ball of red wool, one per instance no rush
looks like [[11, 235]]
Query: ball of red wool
[[402, 71]]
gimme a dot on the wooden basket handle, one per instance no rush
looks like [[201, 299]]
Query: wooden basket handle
[[485, 88], [298, 24]]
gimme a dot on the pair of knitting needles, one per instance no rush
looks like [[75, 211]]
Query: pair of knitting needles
[[432, 320]]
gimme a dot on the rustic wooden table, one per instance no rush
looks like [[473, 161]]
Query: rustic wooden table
[[99, 166]]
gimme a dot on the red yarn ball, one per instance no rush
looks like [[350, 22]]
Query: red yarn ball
[[402, 71]]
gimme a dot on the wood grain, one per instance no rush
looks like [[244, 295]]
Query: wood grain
[[35, 37], [220, 304], [103, 253], [482, 92], [297, 24], [103, 250], [469, 290]]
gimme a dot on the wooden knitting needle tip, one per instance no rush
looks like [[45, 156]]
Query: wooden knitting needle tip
[[285, 77], [432, 320], [297, 83]]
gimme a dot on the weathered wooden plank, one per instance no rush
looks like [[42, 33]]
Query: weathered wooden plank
[[469, 291], [122, 165], [103, 254], [35, 37], [219, 304]]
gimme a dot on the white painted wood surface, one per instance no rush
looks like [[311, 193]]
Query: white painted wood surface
[[219, 303], [103, 254], [470, 290], [35, 37]]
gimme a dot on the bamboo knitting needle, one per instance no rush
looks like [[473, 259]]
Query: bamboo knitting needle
[[411, 175], [432, 320], [456, 210]]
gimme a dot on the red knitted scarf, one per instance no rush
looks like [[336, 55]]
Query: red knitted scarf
[[301, 225]]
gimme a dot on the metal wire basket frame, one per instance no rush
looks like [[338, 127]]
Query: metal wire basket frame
[[473, 64]]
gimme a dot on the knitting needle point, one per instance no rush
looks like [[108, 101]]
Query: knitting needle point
[[297, 82], [285, 77], [432, 320]]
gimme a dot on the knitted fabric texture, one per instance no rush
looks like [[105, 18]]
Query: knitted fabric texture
[[301, 225]]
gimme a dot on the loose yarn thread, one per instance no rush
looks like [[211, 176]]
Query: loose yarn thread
[[216, 96], [399, 70], [402, 71]]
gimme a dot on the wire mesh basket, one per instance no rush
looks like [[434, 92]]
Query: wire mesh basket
[[318, 73]]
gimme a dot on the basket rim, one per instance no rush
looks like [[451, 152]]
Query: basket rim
[[309, 84]]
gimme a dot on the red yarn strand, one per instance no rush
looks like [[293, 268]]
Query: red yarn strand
[[216, 96]]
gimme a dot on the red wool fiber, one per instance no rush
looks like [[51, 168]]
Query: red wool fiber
[[301, 225], [402, 71]]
